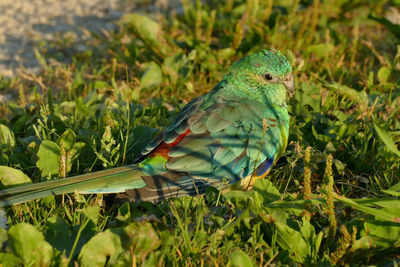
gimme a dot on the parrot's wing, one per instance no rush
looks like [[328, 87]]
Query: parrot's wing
[[178, 127], [228, 141], [213, 144]]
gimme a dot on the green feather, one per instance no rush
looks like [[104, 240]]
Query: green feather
[[190, 145], [113, 180]]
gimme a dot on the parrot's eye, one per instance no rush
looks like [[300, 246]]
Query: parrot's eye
[[268, 77]]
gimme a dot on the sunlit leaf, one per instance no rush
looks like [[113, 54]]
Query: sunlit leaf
[[386, 139], [143, 239], [358, 96], [152, 76], [57, 234], [10, 176], [102, 248], [67, 139], [320, 50], [381, 214], [6, 136], [379, 234], [239, 259], [383, 74], [49, 158], [8, 259], [287, 237], [28, 244], [148, 30]]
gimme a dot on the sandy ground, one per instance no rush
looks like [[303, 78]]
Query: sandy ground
[[23, 23]]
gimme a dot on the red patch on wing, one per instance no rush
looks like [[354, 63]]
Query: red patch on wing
[[164, 148]]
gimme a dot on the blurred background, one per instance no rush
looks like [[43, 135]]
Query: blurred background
[[26, 23]]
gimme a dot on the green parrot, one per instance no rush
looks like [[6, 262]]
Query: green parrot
[[228, 137]]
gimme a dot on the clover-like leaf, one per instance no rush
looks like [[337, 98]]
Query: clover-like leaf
[[49, 158]]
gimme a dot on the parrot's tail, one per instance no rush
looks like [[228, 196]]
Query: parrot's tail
[[108, 181]]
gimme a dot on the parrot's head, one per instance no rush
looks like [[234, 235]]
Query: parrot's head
[[265, 76]]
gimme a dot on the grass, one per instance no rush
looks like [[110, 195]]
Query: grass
[[332, 199]]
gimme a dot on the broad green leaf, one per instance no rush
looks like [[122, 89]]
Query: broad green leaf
[[105, 247], [175, 67], [287, 237], [267, 190], [383, 74], [342, 130], [8, 259], [92, 213], [378, 213], [49, 158], [390, 192], [75, 151], [57, 233], [3, 231], [6, 136], [320, 137], [124, 212], [390, 232], [391, 206], [340, 166], [380, 202], [320, 50], [67, 107], [239, 197], [28, 244], [386, 139], [67, 140], [81, 109], [148, 30], [152, 76], [98, 84], [292, 240], [379, 235], [143, 239], [295, 207], [395, 187], [307, 95], [10, 176], [239, 259], [314, 241], [360, 97], [226, 53]]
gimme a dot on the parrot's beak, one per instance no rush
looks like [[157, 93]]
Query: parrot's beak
[[288, 82]]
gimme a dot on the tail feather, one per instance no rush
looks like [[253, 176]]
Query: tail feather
[[107, 181], [170, 185], [128, 180]]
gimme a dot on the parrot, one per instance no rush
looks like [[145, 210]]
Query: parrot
[[227, 138]]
